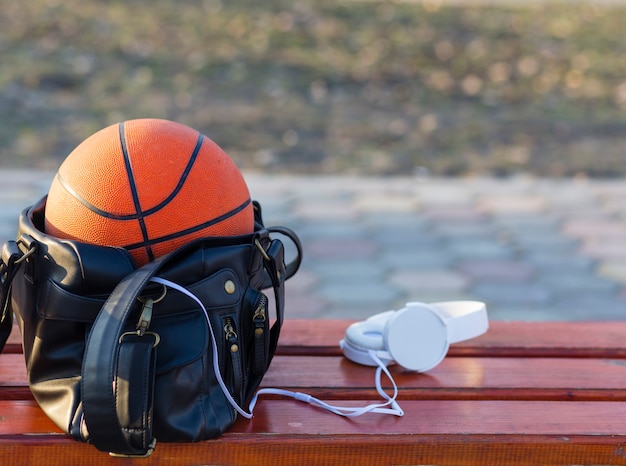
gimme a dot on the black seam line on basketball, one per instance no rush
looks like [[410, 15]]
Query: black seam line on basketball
[[89, 205], [133, 190], [188, 231], [146, 213]]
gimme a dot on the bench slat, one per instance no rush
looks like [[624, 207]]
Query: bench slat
[[484, 378], [549, 339], [544, 339], [252, 450], [497, 432]]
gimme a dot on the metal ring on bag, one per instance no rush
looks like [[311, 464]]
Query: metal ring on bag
[[26, 255], [143, 300], [157, 337], [260, 248]]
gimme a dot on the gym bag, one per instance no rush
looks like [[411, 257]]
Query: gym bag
[[119, 357]]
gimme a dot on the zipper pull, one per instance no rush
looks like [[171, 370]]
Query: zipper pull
[[261, 336], [146, 316], [231, 336], [235, 355]]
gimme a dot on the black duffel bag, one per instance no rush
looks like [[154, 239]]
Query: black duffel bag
[[119, 357]]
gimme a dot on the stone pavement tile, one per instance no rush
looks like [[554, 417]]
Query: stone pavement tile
[[452, 213], [589, 306], [404, 240], [555, 261], [344, 248], [358, 269], [604, 228], [301, 301], [418, 259], [515, 312], [528, 223], [547, 242], [368, 296], [611, 248], [519, 294], [566, 281], [330, 230], [496, 270], [390, 220], [299, 305], [469, 248], [464, 229], [416, 281]]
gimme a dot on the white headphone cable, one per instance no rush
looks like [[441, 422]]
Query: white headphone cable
[[388, 407]]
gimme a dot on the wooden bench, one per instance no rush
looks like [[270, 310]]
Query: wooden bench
[[524, 393]]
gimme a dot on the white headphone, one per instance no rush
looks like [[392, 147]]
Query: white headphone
[[416, 337]]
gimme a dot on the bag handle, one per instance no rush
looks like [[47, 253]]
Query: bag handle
[[10, 260], [105, 402]]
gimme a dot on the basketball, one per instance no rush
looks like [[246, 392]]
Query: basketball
[[148, 186]]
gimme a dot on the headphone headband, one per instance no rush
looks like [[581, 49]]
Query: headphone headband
[[465, 319]]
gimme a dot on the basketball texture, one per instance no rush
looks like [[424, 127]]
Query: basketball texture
[[149, 186]]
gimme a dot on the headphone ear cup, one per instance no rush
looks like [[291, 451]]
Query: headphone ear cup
[[361, 337], [416, 337]]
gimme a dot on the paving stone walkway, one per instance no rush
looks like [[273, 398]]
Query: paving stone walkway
[[532, 249]]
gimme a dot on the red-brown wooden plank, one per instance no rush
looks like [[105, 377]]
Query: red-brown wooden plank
[[14, 343], [289, 432], [253, 450], [454, 378], [542, 339]]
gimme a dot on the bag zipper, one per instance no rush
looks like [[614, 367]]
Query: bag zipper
[[259, 319], [232, 342]]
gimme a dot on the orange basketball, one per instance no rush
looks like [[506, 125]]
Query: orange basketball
[[149, 186]]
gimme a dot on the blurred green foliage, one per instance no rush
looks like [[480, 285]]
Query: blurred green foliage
[[325, 86]]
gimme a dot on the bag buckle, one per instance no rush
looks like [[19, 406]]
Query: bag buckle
[[151, 448], [144, 319]]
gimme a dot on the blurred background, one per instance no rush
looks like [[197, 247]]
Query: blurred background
[[491, 133], [327, 86]]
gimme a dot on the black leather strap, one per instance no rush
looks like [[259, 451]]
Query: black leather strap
[[292, 267], [102, 401], [277, 272], [133, 382]]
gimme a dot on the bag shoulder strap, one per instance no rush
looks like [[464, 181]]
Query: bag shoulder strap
[[99, 378]]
